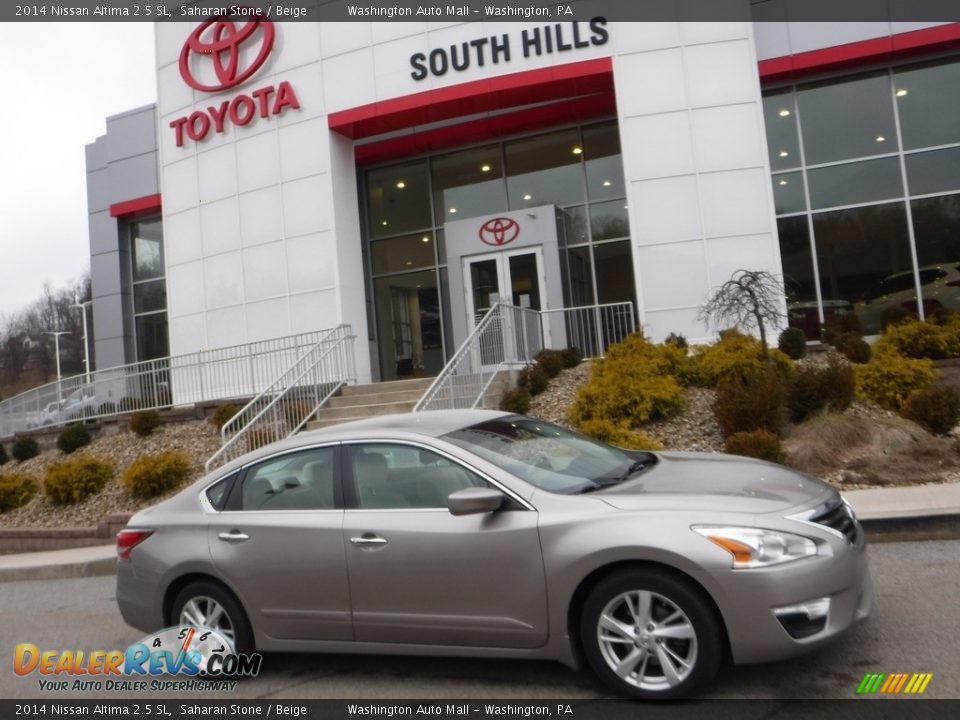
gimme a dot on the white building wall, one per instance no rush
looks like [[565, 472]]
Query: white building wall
[[262, 227]]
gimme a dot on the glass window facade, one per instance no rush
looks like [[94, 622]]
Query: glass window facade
[[579, 169], [866, 177], [149, 289]]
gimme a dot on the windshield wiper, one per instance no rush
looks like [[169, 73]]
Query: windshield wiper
[[638, 465]]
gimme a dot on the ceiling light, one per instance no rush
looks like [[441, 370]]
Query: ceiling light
[[401, 184], [452, 210], [528, 196], [409, 262], [384, 222], [484, 168], [784, 112], [902, 92], [607, 183], [784, 153], [782, 182], [577, 150], [425, 238], [880, 138], [624, 207]]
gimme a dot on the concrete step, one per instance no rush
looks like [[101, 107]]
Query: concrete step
[[389, 386], [354, 411], [374, 397]]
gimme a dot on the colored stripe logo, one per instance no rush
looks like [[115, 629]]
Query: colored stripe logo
[[894, 683]]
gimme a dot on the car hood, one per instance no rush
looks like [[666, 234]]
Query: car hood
[[712, 481]]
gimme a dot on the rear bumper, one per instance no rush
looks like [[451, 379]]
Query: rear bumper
[[136, 599]]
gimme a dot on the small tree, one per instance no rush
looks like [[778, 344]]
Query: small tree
[[749, 299]]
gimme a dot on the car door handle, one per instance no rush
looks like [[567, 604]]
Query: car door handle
[[368, 539], [234, 536]]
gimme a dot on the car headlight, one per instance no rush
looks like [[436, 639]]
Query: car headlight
[[755, 547]]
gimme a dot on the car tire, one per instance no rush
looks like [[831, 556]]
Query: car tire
[[657, 629], [203, 597]]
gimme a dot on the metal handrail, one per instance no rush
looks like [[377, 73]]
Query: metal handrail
[[287, 404], [237, 371], [507, 336], [464, 382]]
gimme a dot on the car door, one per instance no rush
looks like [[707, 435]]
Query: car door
[[280, 544], [421, 575]]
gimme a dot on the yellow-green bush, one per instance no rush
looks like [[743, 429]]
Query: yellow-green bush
[[15, 490], [916, 339], [150, 475], [889, 378], [636, 382], [73, 480], [619, 435], [737, 354]]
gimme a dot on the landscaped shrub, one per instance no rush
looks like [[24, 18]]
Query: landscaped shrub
[[894, 315], [73, 480], [751, 402], [916, 339], [534, 378], [15, 490], [25, 448], [740, 355], [853, 347], [840, 325], [516, 400], [73, 437], [814, 388], [758, 444], [151, 475], [793, 343], [619, 435], [551, 361], [937, 409], [635, 382], [222, 414], [676, 339], [889, 378], [570, 357], [145, 422], [3, 455]]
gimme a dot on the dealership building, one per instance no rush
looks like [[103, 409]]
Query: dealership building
[[400, 177]]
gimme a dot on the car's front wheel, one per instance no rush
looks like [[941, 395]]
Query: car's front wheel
[[651, 635], [208, 605]]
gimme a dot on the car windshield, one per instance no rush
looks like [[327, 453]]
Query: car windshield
[[548, 456]]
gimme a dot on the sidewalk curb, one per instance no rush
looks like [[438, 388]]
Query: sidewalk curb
[[911, 528], [60, 571]]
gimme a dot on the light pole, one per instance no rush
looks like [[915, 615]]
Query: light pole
[[56, 351], [86, 342]]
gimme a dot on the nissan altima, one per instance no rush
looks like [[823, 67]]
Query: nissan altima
[[485, 534]]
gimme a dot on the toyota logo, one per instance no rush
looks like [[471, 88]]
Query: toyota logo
[[499, 231], [222, 45]]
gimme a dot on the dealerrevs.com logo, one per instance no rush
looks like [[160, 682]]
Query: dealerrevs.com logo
[[187, 658]]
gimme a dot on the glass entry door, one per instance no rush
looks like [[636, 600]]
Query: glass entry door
[[513, 277]]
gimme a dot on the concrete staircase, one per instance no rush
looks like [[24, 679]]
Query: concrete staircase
[[356, 402]]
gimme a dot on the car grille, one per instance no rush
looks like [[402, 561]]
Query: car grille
[[840, 517]]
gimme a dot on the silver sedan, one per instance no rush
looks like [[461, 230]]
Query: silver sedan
[[479, 533]]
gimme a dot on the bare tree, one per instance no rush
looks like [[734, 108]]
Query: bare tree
[[749, 299]]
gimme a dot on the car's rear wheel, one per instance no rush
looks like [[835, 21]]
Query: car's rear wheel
[[206, 604], [651, 635]]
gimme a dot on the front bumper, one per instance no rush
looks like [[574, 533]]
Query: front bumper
[[748, 599]]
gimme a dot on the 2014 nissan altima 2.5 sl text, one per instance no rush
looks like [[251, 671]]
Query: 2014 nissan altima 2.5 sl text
[[480, 533]]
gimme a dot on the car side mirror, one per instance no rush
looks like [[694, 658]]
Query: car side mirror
[[471, 501]]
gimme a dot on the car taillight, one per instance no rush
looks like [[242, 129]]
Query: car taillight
[[127, 540]]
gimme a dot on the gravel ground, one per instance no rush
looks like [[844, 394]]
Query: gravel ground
[[198, 439]]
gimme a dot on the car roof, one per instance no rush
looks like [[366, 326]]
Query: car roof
[[429, 423]]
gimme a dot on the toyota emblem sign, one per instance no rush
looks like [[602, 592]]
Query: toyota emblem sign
[[499, 231], [211, 61]]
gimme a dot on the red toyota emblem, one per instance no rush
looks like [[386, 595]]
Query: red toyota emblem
[[499, 231], [222, 44]]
